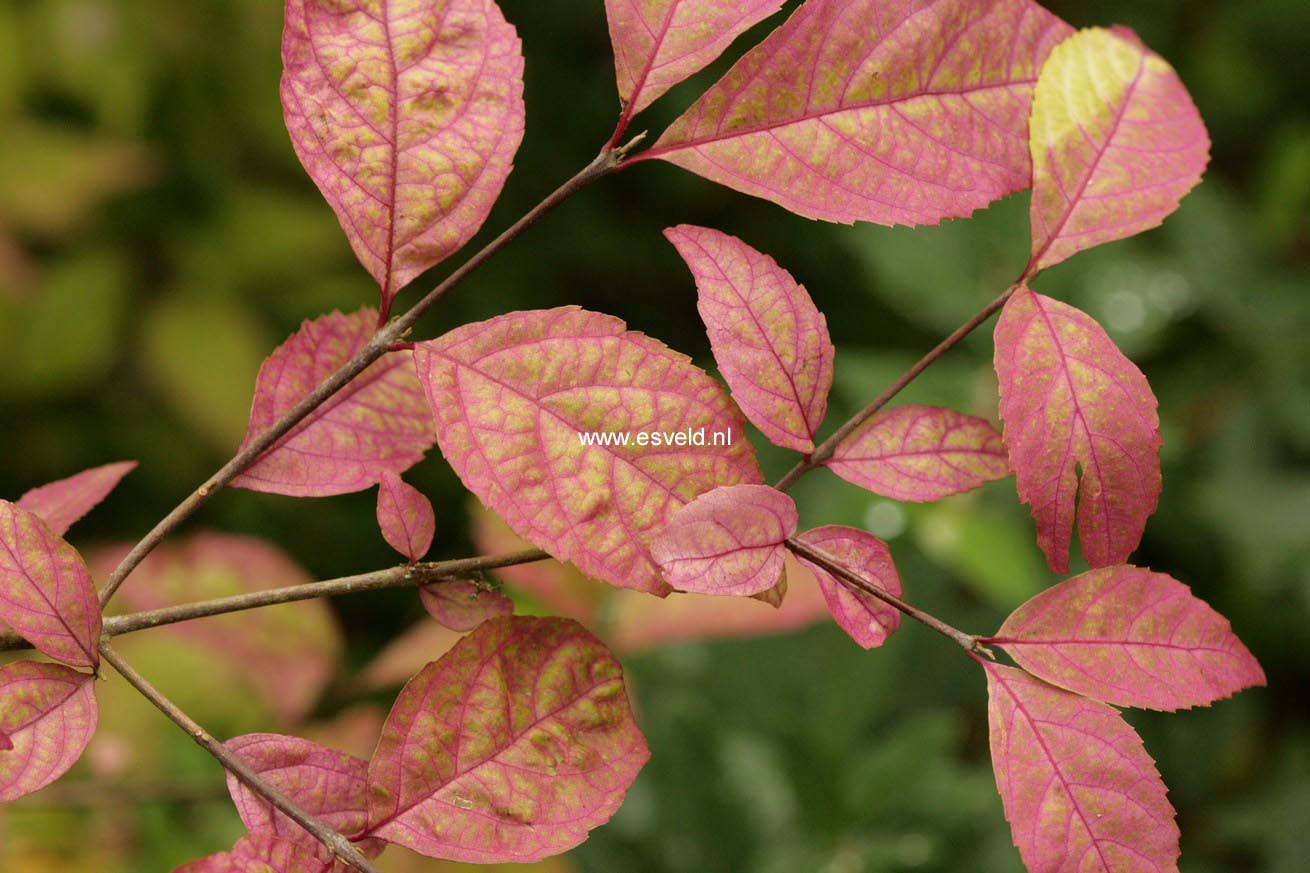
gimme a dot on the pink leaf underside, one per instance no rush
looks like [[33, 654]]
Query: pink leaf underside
[[405, 517], [268, 853], [46, 592], [632, 621], [63, 502], [920, 453], [659, 43], [891, 111], [727, 541], [770, 341], [1116, 142], [512, 396], [48, 714], [511, 747], [377, 423], [287, 652], [1069, 400], [462, 605], [407, 115], [1130, 637], [864, 617], [327, 784], [1080, 791]]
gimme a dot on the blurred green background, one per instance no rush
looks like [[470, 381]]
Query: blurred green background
[[158, 239]]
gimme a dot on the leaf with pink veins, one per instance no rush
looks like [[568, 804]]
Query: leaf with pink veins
[[920, 453], [510, 748], [46, 591], [522, 403], [462, 605], [268, 853], [1079, 790], [727, 541], [325, 783], [47, 716], [868, 620], [64, 501], [1130, 637], [405, 517], [1116, 143], [770, 341], [378, 423], [890, 111], [1071, 400], [407, 116], [659, 43]]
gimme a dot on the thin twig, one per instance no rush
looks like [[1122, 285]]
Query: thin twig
[[825, 449], [853, 580], [336, 843], [376, 347], [393, 577]]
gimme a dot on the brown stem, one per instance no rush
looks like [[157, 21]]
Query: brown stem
[[394, 577], [336, 843], [825, 449], [376, 347], [859, 584]]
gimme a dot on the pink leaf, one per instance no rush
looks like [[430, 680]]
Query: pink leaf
[[727, 541], [892, 111], [1130, 637], [769, 340], [46, 592], [1116, 143], [1079, 790], [510, 748], [328, 784], [377, 423], [47, 716], [64, 501], [920, 453], [1069, 400], [518, 398], [287, 653], [462, 605], [867, 619], [658, 43], [405, 517], [407, 117], [268, 853]]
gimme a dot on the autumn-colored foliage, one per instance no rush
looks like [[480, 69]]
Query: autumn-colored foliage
[[600, 447]]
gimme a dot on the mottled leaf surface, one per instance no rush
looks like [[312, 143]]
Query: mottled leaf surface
[[47, 716], [405, 516], [892, 111], [64, 501], [770, 341], [1071, 401], [377, 423], [46, 591], [512, 396], [1131, 637], [286, 653], [462, 605], [1116, 142], [658, 43], [1080, 791], [267, 853], [920, 453], [864, 617], [728, 541], [407, 115], [325, 783], [511, 747]]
